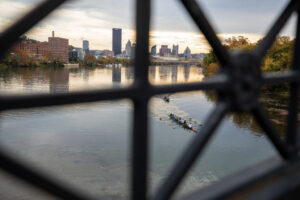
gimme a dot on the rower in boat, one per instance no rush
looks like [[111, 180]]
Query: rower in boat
[[166, 99], [182, 122]]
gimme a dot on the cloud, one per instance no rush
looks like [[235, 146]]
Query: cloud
[[170, 23]]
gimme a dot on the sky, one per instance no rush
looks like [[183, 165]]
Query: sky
[[93, 20]]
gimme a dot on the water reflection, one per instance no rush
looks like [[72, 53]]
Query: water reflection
[[89, 144], [116, 76], [46, 80], [276, 106], [59, 81]]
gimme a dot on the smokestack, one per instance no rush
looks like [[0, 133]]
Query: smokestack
[[52, 33]]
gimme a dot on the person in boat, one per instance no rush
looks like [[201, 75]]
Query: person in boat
[[190, 126], [179, 120], [166, 99]]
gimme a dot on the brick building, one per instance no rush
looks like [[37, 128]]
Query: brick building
[[59, 48], [38, 50], [55, 48]]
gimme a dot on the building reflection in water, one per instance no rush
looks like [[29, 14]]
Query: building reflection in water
[[152, 73], [86, 75], [164, 73], [174, 74], [186, 73], [129, 74], [59, 81], [116, 76]]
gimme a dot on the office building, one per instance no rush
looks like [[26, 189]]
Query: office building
[[153, 50], [175, 50], [73, 55], [163, 50], [80, 53], [187, 53], [128, 49], [56, 48], [37, 50], [59, 48], [169, 51], [117, 41], [85, 46]]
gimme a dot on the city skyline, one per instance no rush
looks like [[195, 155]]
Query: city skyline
[[86, 20]]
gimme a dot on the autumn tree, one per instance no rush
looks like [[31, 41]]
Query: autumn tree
[[89, 60]]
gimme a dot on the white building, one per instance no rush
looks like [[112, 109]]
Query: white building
[[187, 53], [128, 49]]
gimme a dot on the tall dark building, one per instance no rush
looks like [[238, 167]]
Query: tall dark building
[[117, 41]]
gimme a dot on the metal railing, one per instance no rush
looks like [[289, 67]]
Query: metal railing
[[238, 85]]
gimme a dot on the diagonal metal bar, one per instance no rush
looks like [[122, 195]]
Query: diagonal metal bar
[[140, 126], [36, 179], [234, 185], [12, 34], [41, 100], [190, 154], [263, 119], [268, 40], [201, 20], [291, 131], [281, 77]]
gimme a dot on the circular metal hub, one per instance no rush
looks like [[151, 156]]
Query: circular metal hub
[[246, 81]]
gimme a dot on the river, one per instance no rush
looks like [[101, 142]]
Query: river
[[88, 145]]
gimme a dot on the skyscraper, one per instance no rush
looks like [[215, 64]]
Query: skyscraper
[[117, 41], [128, 49], [187, 53], [153, 50], [163, 50], [175, 50], [85, 46]]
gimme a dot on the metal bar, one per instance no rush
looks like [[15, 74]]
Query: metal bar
[[140, 151], [262, 118], [281, 77], [13, 33], [140, 127], [233, 184], [193, 150], [268, 40], [38, 180], [217, 82], [41, 100], [201, 20], [291, 131]]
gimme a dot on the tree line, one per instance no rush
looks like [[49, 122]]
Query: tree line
[[278, 57]]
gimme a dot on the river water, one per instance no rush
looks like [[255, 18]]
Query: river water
[[88, 145]]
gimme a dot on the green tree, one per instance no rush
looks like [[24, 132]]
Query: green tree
[[209, 58]]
